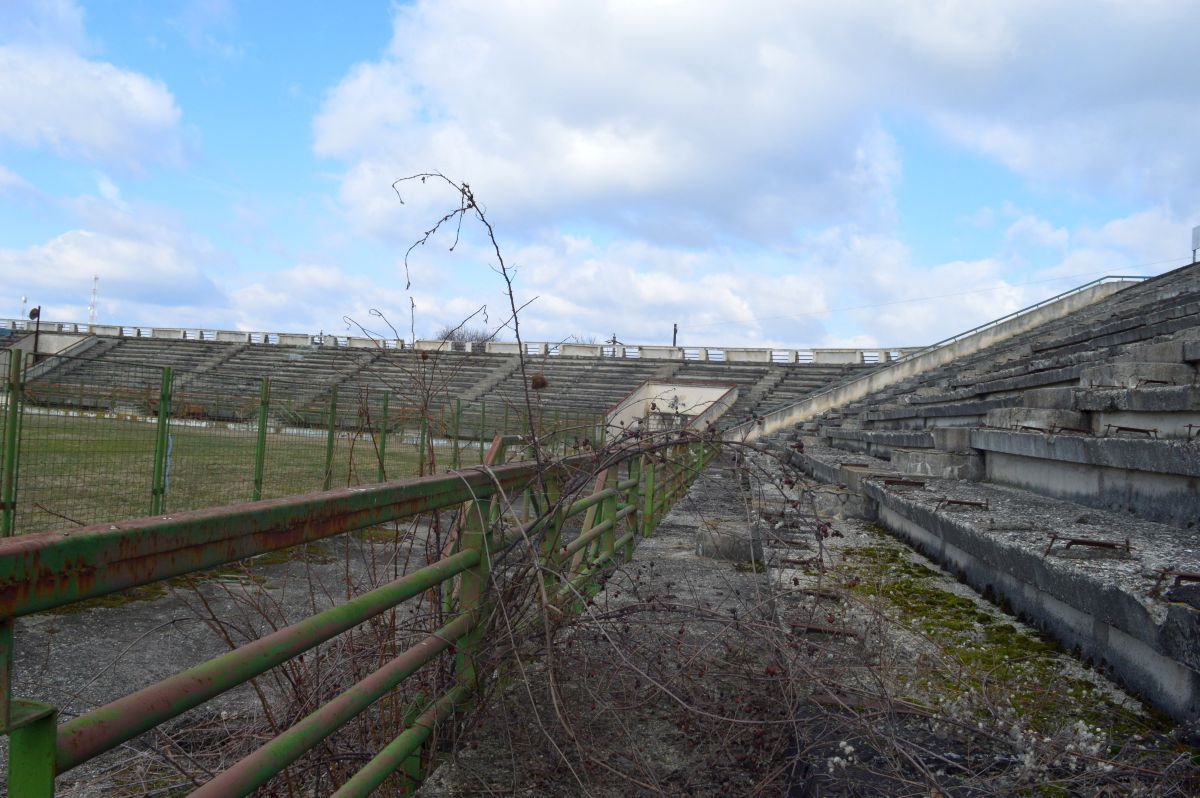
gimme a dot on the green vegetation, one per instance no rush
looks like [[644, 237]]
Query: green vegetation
[[85, 469], [984, 664]]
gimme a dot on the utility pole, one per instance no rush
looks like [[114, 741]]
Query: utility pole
[[36, 315], [675, 334]]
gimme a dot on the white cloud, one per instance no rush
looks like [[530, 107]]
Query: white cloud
[[53, 96], [700, 122], [731, 124], [1145, 242], [10, 181], [1033, 231], [157, 278], [52, 23], [86, 109], [314, 297]]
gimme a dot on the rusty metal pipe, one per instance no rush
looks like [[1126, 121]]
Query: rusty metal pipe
[[394, 754], [599, 529], [43, 571], [259, 767], [112, 724]]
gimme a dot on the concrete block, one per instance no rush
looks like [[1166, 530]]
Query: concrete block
[[951, 439], [1163, 352], [836, 503], [1191, 351], [1132, 375], [1050, 398], [939, 465], [726, 542], [1154, 399], [1017, 417], [852, 475]]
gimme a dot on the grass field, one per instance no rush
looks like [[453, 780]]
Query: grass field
[[86, 469]]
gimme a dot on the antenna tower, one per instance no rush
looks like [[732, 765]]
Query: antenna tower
[[92, 305]]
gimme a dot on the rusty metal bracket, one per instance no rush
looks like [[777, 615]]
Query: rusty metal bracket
[[1099, 544], [1179, 576], [904, 483], [1080, 430], [945, 502], [1151, 432]]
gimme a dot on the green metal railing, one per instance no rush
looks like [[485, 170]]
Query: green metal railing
[[618, 504], [82, 441]]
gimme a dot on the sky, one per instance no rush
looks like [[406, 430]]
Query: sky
[[784, 174]]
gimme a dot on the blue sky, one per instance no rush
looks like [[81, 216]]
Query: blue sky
[[819, 174]]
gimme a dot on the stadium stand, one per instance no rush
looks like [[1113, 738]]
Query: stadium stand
[[1057, 471]]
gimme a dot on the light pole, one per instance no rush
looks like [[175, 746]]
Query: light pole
[[35, 316]]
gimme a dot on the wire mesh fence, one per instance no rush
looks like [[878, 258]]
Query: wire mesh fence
[[100, 440]]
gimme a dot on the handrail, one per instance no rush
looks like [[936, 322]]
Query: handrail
[[48, 570], [742, 429], [1023, 311]]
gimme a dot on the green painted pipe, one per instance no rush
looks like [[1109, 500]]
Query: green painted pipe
[[8, 474], [260, 442], [107, 727], [261, 766], [395, 753]]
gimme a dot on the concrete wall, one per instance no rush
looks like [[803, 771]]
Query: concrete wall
[[631, 351], [48, 343], [1158, 480], [1152, 655], [923, 362], [690, 398]]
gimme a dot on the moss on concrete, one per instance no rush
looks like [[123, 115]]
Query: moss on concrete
[[985, 655]]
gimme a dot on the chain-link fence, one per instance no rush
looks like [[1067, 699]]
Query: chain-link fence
[[96, 440]]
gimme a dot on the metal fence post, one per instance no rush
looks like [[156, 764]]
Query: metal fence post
[[421, 447], [457, 429], [549, 549], [482, 427], [8, 470], [609, 513], [381, 441], [648, 519], [260, 443], [637, 501], [331, 438], [474, 535], [162, 441], [31, 750]]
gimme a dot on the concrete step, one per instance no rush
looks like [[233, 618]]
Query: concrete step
[[1137, 374], [1157, 480], [1037, 418]]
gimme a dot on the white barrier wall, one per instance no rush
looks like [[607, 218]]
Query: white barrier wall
[[532, 348]]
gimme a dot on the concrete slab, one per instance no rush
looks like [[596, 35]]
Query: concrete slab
[[1135, 375], [1102, 605], [1044, 419], [939, 464], [1050, 398]]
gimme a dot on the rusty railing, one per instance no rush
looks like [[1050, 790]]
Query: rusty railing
[[619, 504]]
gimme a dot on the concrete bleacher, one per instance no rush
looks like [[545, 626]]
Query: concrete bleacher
[[1058, 471], [221, 380]]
